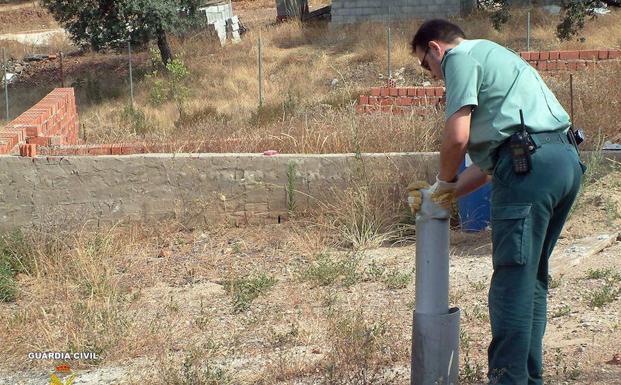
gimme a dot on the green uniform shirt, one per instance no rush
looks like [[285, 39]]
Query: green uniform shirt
[[497, 83]]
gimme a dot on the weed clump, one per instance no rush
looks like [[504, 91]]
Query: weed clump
[[245, 290]]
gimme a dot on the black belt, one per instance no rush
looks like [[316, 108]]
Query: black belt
[[539, 139]]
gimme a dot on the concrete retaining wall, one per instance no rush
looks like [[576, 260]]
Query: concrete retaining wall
[[193, 188]]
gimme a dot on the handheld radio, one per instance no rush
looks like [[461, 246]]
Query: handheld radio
[[520, 145]]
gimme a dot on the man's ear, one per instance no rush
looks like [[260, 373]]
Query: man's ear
[[436, 48]]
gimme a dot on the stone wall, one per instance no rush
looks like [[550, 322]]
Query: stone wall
[[352, 11], [192, 188]]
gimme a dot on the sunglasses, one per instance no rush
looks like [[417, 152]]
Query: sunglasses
[[423, 63]]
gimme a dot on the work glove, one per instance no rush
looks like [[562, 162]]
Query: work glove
[[442, 194]]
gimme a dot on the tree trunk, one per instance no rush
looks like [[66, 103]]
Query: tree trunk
[[162, 44]]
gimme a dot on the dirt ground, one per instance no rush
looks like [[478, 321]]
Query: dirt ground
[[324, 314]]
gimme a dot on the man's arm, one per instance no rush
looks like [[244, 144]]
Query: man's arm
[[471, 179], [454, 143]]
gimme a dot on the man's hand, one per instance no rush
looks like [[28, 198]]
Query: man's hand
[[415, 197], [442, 194]]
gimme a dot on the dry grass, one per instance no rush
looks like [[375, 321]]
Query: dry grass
[[306, 111], [72, 289]]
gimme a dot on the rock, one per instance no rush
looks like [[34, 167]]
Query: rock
[[334, 82], [616, 359], [35, 57], [552, 9]]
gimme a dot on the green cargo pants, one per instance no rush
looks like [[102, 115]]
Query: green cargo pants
[[528, 213]]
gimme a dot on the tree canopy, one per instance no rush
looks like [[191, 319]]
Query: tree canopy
[[103, 24], [573, 16]]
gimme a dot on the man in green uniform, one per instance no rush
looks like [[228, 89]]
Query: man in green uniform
[[486, 87]]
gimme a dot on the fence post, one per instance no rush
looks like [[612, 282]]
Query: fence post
[[571, 97], [62, 70], [389, 46], [131, 75], [6, 85], [528, 32], [260, 59]]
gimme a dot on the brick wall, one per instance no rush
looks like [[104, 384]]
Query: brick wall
[[53, 121], [352, 11], [423, 100]]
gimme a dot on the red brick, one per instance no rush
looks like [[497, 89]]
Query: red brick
[[40, 140], [384, 91], [387, 102], [375, 91], [542, 66], [31, 130], [544, 55], [430, 91], [588, 55], [411, 91], [420, 91], [439, 91], [403, 91], [393, 91], [534, 55], [407, 101], [364, 100], [29, 150], [373, 100], [602, 54], [614, 54], [386, 108], [20, 132], [99, 150], [569, 55], [573, 66], [525, 55], [552, 65]]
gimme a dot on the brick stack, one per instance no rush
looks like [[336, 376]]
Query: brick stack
[[402, 100], [568, 60], [425, 100], [53, 121]]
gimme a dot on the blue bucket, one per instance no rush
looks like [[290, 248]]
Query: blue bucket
[[474, 208]]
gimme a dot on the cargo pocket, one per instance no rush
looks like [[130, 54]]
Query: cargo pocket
[[510, 235]]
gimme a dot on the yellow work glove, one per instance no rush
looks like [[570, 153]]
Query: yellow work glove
[[442, 193], [415, 197]]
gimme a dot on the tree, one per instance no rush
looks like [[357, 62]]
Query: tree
[[103, 24], [574, 14]]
